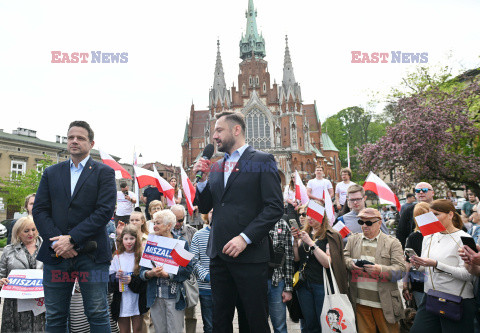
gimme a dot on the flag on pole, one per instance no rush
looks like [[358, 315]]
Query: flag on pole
[[341, 229], [135, 183], [189, 191], [120, 172], [329, 206], [167, 189], [146, 177], [300, 189], [429, 224], [181, 256], [315, 211], [385, 194], [348, 155]]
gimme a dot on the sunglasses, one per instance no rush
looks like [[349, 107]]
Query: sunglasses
[[424, 190], [303, 214], [180, 220], [367, 223]]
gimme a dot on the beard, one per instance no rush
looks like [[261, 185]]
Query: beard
[[226, 144]]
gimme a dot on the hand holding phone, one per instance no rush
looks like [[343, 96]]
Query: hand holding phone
[[468, 241]]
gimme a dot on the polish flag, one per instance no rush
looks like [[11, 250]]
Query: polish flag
[[315, 211], [385, 194], [181, 256], [429, 224], [341, 229], [146, 177], [329, 206], [120, 172], [300, 190], [189, 191]]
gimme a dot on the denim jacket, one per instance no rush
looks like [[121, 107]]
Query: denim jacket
[[182, 275]]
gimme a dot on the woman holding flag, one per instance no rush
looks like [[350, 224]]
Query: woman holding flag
[[165, 292], [445, 271], [314, 247]]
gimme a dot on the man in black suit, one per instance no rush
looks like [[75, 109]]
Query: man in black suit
[[74, 202], [245, 193]]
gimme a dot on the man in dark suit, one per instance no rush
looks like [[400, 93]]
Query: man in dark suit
[[245, 193], [74, 202]]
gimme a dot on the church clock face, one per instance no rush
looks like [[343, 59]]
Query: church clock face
[[258, 130]]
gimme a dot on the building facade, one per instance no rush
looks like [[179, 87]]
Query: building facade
[[277, 120]]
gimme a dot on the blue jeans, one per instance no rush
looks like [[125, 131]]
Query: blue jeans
[[206, 305], [276, 308], [58, 281], [310, 297]]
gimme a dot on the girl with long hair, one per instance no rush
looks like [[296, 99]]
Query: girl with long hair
[[129, 291]]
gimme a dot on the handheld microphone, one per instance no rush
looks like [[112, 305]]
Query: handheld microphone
[[206, 155]]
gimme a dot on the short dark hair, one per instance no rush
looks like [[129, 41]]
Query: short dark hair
[[233, 117], [83, 124], [123, 185], [410, 195], [320, 167]]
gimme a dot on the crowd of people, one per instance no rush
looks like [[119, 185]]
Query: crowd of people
[[285, 258]]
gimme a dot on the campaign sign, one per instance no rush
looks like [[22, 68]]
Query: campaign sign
[[23, 284], [158, 249]]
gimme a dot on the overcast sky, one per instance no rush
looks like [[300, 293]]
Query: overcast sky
[[171, 49]]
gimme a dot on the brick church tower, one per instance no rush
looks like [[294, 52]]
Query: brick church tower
[[277, 120]]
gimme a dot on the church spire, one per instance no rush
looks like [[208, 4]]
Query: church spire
[[219, 78], [252, 42], [288, 76], [219, 95]]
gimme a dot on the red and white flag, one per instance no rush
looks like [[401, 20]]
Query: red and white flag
[[429, 224], [385, 194], [329, 206], [120, 172], [315, 211], [341, 229], [189, 191], [181, 256], [146, 177], [300, 190]]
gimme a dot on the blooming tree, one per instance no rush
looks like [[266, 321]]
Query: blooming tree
[[436, 138]]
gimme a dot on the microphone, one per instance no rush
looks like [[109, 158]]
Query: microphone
[[206, 155], [89, 247]]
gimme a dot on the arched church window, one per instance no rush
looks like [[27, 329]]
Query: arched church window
[[264, 87], [258, 130], [244, 89], [257, 81], [250, 81]]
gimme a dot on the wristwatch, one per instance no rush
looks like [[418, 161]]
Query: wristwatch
[[313, 247], [72, 241]]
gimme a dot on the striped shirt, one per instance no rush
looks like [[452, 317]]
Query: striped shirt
[[368, 287], [202, 263]]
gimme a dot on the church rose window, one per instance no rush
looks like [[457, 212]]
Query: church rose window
[[258, 130]]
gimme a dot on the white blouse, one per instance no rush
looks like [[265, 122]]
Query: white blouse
[[450, 273]]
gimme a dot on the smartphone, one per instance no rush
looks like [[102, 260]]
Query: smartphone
[[294, 224], [410, 252], [361, 263], [468, 241]]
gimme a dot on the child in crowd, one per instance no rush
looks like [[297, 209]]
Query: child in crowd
[[129, 291], [138, 220]]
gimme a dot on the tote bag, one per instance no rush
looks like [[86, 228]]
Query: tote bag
[[337, 312]]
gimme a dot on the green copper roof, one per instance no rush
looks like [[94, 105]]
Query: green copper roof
[[185, 135], [315, 150], [252, 41], [328, 143]]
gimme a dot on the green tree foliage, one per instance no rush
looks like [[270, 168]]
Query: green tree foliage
[[357, 127], [16, 187]]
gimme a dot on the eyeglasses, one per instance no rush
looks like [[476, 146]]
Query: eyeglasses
[[355, 200], [180, 220], [367, 223], [424, 190], [303, 214]]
